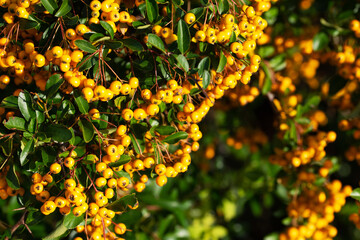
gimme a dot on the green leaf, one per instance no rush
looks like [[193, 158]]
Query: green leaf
[[183, 62], [123, 203], [49, 5], [10, 102], [25, 105], [204, 64], [64, 9], [53, 84], [174, 138], [132, 44], [198, 12], [48, 155], [71, 222], [65, 108], [82, 104], [108, 28], [184, 37], [165, 130], [156, 41], [28, 24], [123, 160], [278, 62], [86, 46], [138, 144], [6, 144], [86, 63], [206, 79], [12, 179], [320, 41], [152, 10], [311, 103], [87, 130], [29, 147], [58, 133], [222, 63], [40, 116], [58, 233], [266, 51], [356, 194], [267, 81], [112, 44], [96, 36], [15, 123], [223, 6]]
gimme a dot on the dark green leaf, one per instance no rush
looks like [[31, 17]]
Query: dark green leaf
[[6, 144], [183, 62], [174, 138], [29, 148], [206, 79], [25, 105], [184, 37], [64, 9], [152, 10], [71, 222], [16, 123], [320, 41], [87, 130], [204, 64], [156, 41], [86, 63], [223, 6], [82, 104], [58, 133], [10, 102], [96, 36], [53, 84], [28, 24], [114, 44], [49, 5], [65, 108], [12, 179], [85, 46], [198, 12], [138, 144], [48, 155], [108, 28], [123, 160], [123, 203], [165, 130], [222, 63], [132, 44]]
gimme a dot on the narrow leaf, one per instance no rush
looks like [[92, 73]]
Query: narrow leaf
[[108, 28], [85, 46], [152, 10], [87, 130], [64, 9], [183, 35], [49, 5], [29, 147], [174, 138]]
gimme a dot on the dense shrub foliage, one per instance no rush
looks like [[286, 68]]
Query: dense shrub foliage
[[106, 104]]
